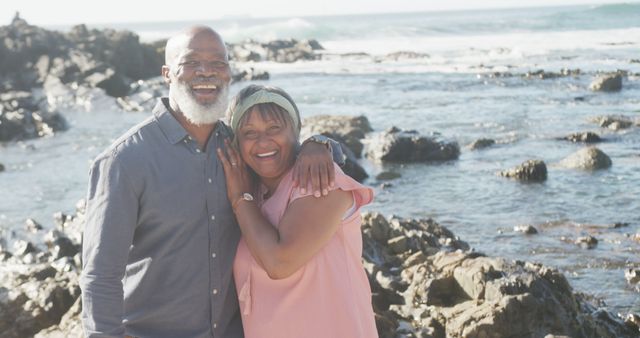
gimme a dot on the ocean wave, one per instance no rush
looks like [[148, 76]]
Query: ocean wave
[[616, 9]]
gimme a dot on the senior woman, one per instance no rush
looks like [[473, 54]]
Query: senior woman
[[298, 268]]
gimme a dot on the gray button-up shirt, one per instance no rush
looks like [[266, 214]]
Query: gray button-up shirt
[[160, 237]]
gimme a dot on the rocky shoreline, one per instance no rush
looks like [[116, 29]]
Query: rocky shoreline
[[426, 282]]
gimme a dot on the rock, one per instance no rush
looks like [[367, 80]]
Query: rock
[[113, 83], [32, 304], [619, 225], [351, 166], [395, 145], [397, 244], [526, 229], [349, 130], [481, 144], [584, 137], [531, 171], [590, 158], [22, 247], [587, 242], [287, 51], [143, 95], [21, 117], [248, 74], [632, 276], [404, 55], [32, 226], [613, 122], [69, 326], [387, 175], [543, 75], [1, 167], [607, 83]]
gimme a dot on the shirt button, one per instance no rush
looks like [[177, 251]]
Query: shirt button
[[215, 291], [210, 180], [213, 217], [213, 255], [215, 326], [198, 150]]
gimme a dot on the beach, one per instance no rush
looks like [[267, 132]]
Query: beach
[[520, 78]]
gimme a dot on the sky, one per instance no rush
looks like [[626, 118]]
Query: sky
[[71, 12]]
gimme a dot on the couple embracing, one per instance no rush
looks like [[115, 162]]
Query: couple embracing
[[197, 228]]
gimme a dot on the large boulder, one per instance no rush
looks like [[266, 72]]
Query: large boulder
[[25, 115], [286, 51], [395, 145], [349, 130], [590, 158], [531, 170], [430, 285], [613, 122], [583, 137], [607, 83]]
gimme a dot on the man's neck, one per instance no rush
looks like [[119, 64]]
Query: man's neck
[[200, 133]]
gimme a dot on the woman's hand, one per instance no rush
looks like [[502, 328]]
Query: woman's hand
[[236, 173], [314, 164]]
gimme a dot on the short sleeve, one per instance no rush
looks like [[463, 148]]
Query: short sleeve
[[362, 194]]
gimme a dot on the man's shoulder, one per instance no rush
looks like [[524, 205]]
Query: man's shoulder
[[133, 142]]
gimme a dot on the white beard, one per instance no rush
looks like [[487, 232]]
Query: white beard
[[200, 114]]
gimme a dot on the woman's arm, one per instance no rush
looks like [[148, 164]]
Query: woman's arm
[[307, 225]]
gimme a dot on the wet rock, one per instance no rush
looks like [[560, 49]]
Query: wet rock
[[30, 304], [590, 158], [632, 320], [61, 247], [395, 145], [248, 74], [22, 247], [32, 226], [387, 175], [1, 167], [287, 51], [613, 122], [543, 75], [531, 171], [24, 115], [69, 326], [481, 144], [143, 95], [404, 55], [349, 130], [619, 225], [632, 276], [526, 229], [607, 83], [586, 242], [351, 166], [584, 137]]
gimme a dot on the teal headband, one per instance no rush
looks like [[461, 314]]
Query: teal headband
[[263, 96]]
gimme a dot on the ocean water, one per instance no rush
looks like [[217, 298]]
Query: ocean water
[[448, 93]]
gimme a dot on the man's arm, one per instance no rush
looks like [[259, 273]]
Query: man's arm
[[315, 164], [111, 217]]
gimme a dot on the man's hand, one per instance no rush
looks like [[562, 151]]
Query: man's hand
[[315, 164]]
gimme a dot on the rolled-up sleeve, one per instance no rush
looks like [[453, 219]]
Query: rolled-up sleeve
[[111, 218]]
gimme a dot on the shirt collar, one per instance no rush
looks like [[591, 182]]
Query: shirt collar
[[170, 127]]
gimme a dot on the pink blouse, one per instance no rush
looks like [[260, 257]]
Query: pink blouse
[[329, 297]]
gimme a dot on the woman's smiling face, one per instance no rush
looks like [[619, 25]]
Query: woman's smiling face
[[267, 144]]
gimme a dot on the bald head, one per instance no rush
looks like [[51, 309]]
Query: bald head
[[178, 43]]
